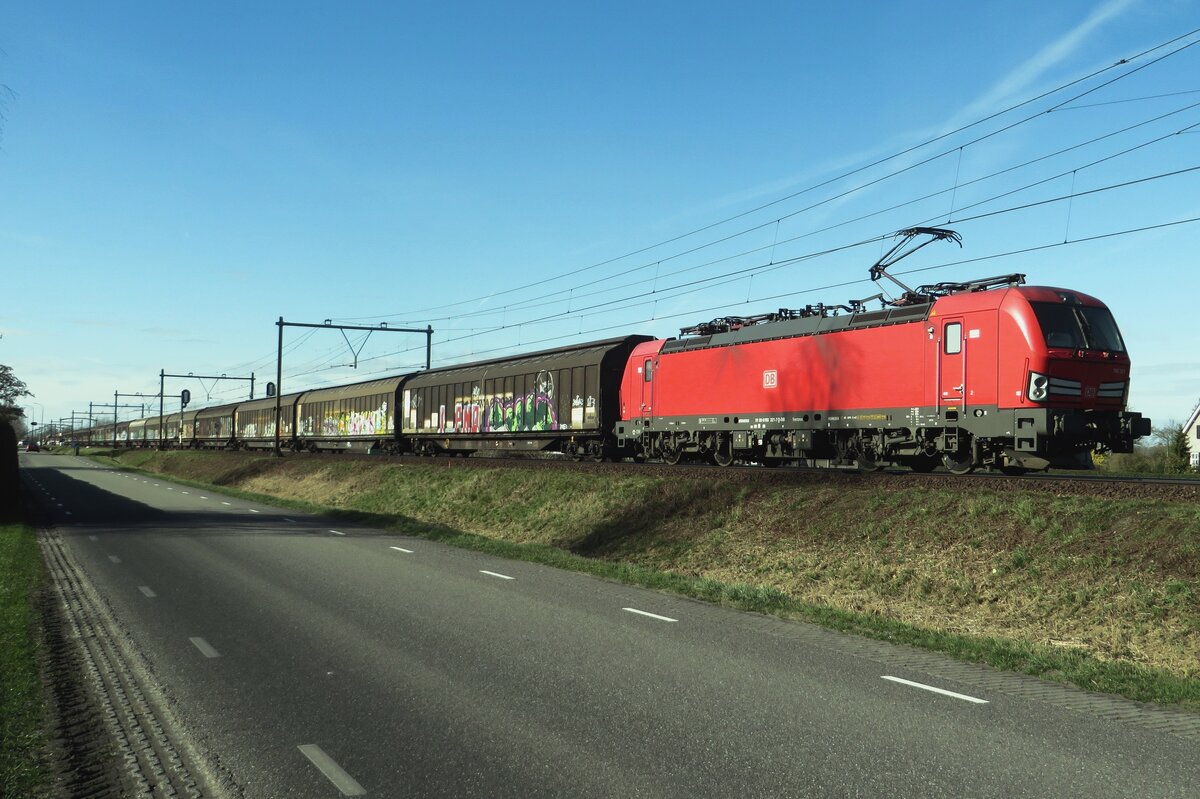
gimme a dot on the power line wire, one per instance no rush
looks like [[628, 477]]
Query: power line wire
[[849, 173]]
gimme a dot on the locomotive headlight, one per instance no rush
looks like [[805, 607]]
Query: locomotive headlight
[[1039, 387]]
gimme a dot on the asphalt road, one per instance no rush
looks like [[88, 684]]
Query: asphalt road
[[313, 659]]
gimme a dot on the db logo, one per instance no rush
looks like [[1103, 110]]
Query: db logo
[[1090, 392], [770, 378]]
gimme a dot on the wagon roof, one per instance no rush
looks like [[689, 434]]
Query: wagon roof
[[285, 401], [561, 357], [363, 389], [217, 410]]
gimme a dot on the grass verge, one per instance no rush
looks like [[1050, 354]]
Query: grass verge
[[22, 704], [1101, 593]]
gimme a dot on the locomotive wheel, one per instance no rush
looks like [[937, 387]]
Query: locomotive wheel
[[723, 453], [958, 463], [672, 454]]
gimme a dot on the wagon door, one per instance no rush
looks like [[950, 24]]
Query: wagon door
[[952, 359]]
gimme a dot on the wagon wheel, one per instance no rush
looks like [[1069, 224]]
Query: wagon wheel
[[723, 453], [572, 451], [595, 451]]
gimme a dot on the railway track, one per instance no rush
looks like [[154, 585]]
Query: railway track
[[1113, 487]]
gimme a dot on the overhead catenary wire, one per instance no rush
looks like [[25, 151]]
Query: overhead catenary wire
[[764, 299], [545, 302], [582, 311], [776, 297], [849, 173], [693, 286], [683, 289]]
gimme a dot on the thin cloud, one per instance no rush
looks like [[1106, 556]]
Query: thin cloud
[[1016, 81], [1048, 57]]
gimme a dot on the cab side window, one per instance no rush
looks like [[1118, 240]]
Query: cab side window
[[953, 338]]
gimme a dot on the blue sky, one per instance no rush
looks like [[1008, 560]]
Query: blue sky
[[174, 178]]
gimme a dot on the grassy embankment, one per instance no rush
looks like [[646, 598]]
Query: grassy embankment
[[22, 709], [1097, 592]]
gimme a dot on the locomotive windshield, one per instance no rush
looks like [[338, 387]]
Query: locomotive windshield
[[1078, 327]]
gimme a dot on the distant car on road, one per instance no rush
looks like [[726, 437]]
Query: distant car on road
[[32, 446]]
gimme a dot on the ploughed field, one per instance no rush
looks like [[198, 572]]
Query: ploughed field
[[1096, 583]]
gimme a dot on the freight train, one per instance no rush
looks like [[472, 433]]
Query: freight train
[[988, 374]]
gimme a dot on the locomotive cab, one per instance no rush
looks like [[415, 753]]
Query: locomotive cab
[[1070, 397]]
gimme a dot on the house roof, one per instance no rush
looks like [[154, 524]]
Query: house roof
[[1192, 419]]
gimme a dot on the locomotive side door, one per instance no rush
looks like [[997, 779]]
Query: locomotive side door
[[649, 365], [952, 362]]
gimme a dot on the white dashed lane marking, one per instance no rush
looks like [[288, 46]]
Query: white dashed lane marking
[[402, 549], [145, 589], [114, 558], [337, 532], [205, 648], [650, 615], [941, 691], [332, 771], [496, 574]]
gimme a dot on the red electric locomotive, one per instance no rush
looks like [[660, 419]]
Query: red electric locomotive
[[987, 373]]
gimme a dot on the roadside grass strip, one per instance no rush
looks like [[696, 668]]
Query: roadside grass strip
[[22, 735]]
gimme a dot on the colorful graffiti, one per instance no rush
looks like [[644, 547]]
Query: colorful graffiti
[[534, 411], [357, 423]]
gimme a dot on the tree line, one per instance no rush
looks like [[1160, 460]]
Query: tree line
[[1169, 452]]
